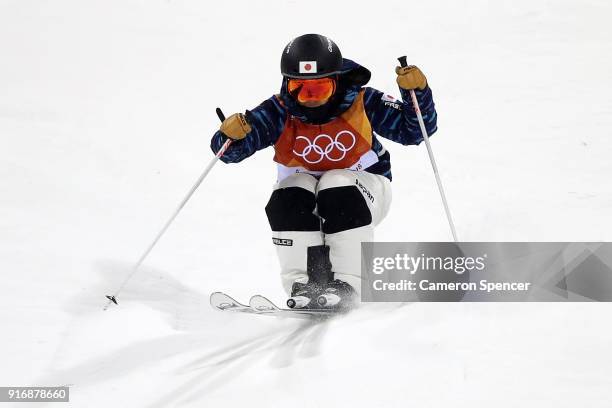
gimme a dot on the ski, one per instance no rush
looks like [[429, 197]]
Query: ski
[[221, 301], [261, 305]]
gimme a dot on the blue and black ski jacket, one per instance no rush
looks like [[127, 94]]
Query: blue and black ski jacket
[[388, 118]]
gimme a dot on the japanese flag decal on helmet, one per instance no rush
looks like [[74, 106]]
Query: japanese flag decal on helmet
[[308, 67], [311, 56]]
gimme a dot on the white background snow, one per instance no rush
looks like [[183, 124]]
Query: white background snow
[[106, 112]]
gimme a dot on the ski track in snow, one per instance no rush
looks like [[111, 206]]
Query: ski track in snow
[[279, 343], [106, 112]]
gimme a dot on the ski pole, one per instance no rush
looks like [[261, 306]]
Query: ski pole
[[417, 109], [113, 298]]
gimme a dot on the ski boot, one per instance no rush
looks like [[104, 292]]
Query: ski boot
[[304, 295], [337, 295], [318, 269]]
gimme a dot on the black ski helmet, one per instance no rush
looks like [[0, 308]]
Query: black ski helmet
[[311, 56]]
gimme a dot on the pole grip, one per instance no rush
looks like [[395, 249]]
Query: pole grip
[[402, 61], [220, 114]]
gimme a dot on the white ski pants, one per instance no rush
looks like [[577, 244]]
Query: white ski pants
[[340, 209]]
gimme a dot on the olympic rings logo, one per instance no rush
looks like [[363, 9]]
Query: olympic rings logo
[[332, 149]]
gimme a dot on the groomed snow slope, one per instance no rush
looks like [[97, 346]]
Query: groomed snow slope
[[106, 111]]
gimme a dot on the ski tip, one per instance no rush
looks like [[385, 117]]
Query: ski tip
[[262, 304], [216, 297], [222, 301]]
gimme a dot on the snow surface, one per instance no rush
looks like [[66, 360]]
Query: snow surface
[[106, 111]]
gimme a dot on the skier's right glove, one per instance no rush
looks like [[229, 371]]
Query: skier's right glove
[[236, 126]]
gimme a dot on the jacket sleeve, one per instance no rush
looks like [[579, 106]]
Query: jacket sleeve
[[267, 122], [396, 120]]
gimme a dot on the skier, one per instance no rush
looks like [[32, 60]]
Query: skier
[[334, 175]]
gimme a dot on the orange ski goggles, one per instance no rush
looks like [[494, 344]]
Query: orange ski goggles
[[311, 90]]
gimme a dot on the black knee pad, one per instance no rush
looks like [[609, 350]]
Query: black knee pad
[[343, 208], [291, 209]]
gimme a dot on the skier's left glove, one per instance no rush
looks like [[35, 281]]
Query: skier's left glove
[[236, 126], [410, 77]]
